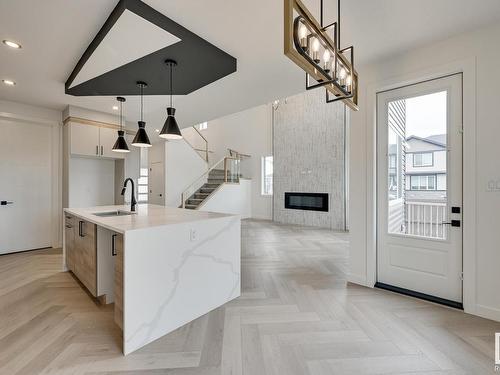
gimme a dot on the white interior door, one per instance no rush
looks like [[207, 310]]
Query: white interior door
[[25, 188], [419, 222], [157, 183]]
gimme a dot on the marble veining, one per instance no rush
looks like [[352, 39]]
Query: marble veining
[[183, 280], [152, 325]]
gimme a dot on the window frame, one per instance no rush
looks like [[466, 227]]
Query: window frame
[[419, 184], [422, 159]]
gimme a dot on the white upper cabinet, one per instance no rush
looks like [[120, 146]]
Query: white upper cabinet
[[90, 140], [84, 140]]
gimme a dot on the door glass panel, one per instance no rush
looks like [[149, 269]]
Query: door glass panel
[[417, 169]]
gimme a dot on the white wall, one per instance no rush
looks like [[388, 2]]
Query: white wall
[[471, 54], [248, 132], [231, 199], [91, 182], [183, 167]]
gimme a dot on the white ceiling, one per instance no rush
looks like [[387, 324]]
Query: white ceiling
[[114, 50], [55, 33]]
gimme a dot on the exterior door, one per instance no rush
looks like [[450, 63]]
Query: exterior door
[[419, 215], [25, 188]]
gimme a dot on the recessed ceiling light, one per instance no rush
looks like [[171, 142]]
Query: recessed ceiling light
[[8, 82], [115, 108], [12, 44]]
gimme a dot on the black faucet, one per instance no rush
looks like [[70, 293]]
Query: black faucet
[[134, 202]]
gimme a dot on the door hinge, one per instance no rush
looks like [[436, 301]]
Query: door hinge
[[462, 276]]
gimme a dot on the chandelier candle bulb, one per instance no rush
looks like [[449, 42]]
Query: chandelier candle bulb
[[342, 76], [349, 82], [303, 37], [326, 59], [315, 48]]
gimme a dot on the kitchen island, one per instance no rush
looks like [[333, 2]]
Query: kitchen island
[[162, 267]]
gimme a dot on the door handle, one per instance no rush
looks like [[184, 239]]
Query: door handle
[[5, 203], [102, 150], [97, 150], [453, 223], [113, 245]]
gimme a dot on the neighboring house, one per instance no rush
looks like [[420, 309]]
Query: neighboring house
[[426, 168]]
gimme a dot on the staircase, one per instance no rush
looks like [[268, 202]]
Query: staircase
[[226, 170], [215, 179]]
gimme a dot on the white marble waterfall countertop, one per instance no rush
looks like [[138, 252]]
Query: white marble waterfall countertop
[[146, 216]]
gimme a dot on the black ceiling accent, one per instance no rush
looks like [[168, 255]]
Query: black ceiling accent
[[200, 62]]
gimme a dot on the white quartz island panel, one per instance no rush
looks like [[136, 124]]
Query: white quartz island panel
[[178, 265]]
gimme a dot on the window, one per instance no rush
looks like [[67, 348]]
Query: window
[[203, 126], [142, 186], [425, 159], [423, 182], [267, 175]]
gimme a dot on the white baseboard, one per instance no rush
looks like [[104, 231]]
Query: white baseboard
[[358, 279], [488, 312]]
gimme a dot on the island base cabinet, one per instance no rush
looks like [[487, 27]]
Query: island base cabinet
[[118, 253], [85, 250]]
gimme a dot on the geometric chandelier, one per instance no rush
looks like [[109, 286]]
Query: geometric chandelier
[[308, 44]]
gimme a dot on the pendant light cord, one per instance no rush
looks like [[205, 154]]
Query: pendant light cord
[[171, 84], [121, 115], [142, 105]]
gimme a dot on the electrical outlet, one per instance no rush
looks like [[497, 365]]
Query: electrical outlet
[[192, 235], [493, 186]]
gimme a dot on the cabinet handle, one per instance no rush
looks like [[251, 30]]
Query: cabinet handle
[[102, 150], [97, 150], [113, 245], [80, 229]]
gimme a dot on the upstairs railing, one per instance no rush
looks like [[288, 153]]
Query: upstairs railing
[[237, 154], [231, 167], [203, 151]]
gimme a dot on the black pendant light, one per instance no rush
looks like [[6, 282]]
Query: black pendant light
[[141, 138], [121, 143], [170, 129]]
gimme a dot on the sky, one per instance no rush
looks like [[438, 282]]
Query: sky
[[426, 115]]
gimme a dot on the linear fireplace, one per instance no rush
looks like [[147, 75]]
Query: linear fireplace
[[307, 201]]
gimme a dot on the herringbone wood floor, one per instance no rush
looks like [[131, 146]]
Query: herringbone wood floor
[[296, 316]]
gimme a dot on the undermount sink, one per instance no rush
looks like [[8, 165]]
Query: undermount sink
[[113, 213]]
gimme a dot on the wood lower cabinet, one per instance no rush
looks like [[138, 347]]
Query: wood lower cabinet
[[69, 238], [118, 253], [85, 250]]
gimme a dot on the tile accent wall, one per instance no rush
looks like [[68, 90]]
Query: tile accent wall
[[308, 141]]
